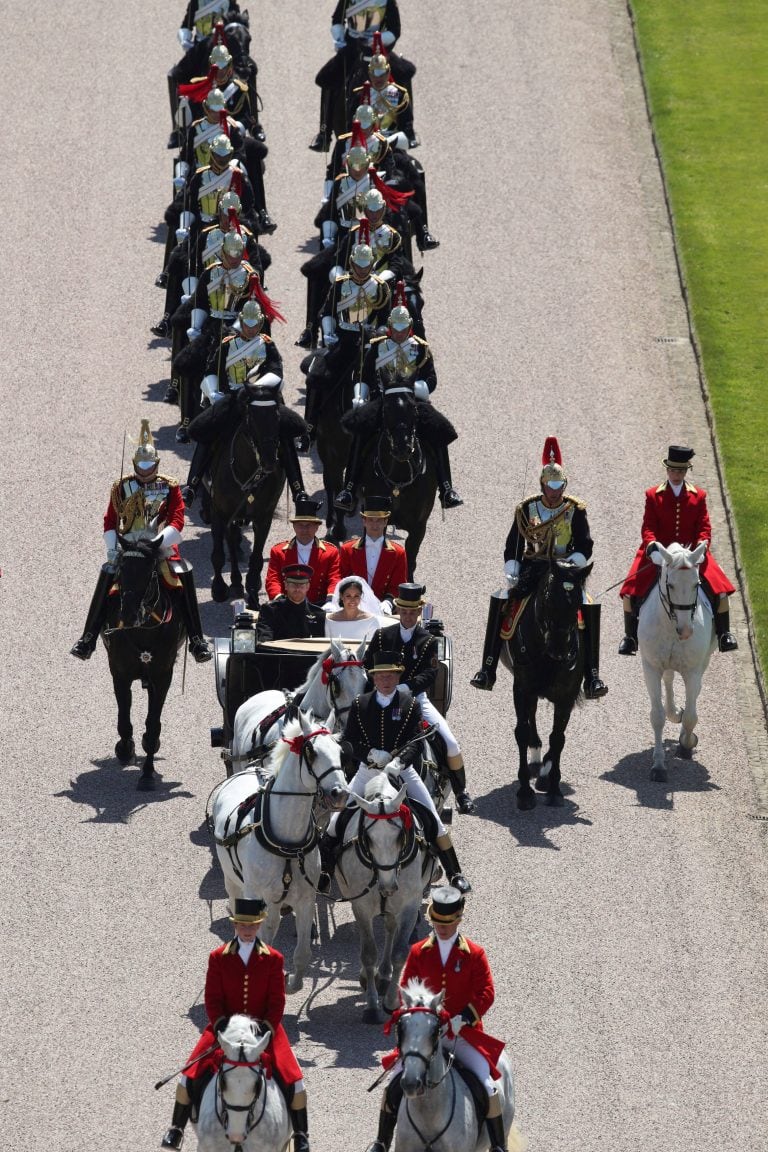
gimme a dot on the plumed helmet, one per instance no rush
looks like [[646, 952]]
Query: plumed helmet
[[552, 473], [220, 57], [234, 245], [357, 157], [361, 256], [215, 101], [251, 314], [379, 66], [221, 146], [399, 318], [229, 202], [146, 456], [366, 116], [374, 201]]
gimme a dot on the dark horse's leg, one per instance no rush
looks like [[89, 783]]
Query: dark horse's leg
[[125, 747], [157, 690], [219, 589], [269, 497], [526, 797], [556, 743], [234, 539]]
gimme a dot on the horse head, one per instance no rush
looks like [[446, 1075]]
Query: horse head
[[344, 675], [383, 840], [319, 760], [420, 1024], [263, 427], [136, 575], [240, 1080], [558, 599], [679, 584], [399, 418]]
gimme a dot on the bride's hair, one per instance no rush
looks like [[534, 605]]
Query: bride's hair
[[341, 587]]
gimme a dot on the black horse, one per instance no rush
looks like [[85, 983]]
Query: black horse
[[247, 477], [546, 658], [143, 633]]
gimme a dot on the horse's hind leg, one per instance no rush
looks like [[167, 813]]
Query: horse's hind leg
[[413, 543], [234, 537], [653, 685], [256, 563], [368, 955], [125, 747], [150, 741], [688, 738], [526, 797]]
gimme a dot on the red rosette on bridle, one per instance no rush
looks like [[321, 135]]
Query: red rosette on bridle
[[393, 199], [268, 307], [197, 90]]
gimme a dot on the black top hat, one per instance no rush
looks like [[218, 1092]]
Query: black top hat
[[297, 572], [678, 457], [446, 906], [249, 912], [306, 509], [410, 596], [385, 661], [376, 506]]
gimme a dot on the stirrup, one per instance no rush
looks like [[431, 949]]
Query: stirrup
[[161, 280], [449, 498], [161, 328], [174, 1138], [345, 501], [377, 1146], [460, 882], [83, 648], [171, 393], [182, 435], [173, 139], [628, 646], [484, 680], [305, 340], [188, 495], [465, 803], [594, 688], [266, 223], [321, 143], [427, 241], [200, 650], [727, 642]]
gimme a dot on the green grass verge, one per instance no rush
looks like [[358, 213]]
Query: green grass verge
[[705, 70]]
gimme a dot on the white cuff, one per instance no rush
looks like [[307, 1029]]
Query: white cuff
[[110, 540], [169, 536], [578, 558], [512, 568]]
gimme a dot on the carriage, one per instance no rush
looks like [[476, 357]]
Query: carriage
[[242, 668]]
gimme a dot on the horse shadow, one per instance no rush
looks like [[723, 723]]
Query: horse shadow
[[634, 771], [530, 829], [158, 233], [212, 884], [155, 393], [309, 247], [111, 791]]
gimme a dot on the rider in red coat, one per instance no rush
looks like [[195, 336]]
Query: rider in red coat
[[675, 513], [449, 962], [321, 556], [245, 977], [381, 562]]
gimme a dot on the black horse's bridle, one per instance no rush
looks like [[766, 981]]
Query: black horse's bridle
[[669, 605], [223, 1108], [149, 615]]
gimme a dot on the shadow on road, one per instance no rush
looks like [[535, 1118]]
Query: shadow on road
[[110, 789], [634, 772], [530, 829]]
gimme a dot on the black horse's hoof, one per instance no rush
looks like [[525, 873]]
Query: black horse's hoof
[[659, 775], [236, 591], [219, 590], [554, 800], [125, 750], [145, 745], [171, 394], [526, 801], [542, 783]]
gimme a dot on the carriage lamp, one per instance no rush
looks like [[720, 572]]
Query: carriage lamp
[[244, 634]]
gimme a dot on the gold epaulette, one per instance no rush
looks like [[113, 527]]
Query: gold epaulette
[[661, 487], [345, 135], [419, 340], [577, 502], [241, 84], [690, 487], [231, 948], [377, 339], [228, 339], [171, 481]]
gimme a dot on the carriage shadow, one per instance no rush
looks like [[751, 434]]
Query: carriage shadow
[[530, 829], [633, 771], [111, 791]]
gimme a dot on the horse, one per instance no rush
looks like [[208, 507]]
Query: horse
[[143, 632], [546, 658], [675, 634], [438, 1110], [266, 835], [243, 1106], [335, 679], [383, 867], [246, 481]]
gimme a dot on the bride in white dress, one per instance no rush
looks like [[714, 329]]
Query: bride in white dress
[[354, 612]]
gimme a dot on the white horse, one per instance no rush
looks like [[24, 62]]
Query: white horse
[[266, 836], [676, 633], [242, 1107], [335, 679], [437, 1111], [382, 868]]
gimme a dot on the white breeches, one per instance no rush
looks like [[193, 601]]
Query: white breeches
[[469, 1057], [432, 716], [414, 785]]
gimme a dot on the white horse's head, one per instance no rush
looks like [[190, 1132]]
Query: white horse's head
[[420, 1024], [384, 826], [334, 680], [309, 752], [240, 1082], [679, 584]]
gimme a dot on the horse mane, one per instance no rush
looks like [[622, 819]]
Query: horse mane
[[419, 994]]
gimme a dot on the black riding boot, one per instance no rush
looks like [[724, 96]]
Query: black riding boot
[[494, 1126], [173, 99], [726, 641], [449, 497], [393, 1094], [345, 500], [458, 780], [292, 469], [328, 848], [486, 677], [450, 865], [187, 409], [300, 1129], [86, 645], [313, 405], [198, 645], [628, 645], [197, 470], [322, 142], [594, 687], [174, 1137]]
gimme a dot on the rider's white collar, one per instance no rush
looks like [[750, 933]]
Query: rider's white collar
[[406, 633], [383, 701], [244, 950], [677, 488], [446, 945]]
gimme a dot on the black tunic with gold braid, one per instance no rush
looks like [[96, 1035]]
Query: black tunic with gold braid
[[371, 726]]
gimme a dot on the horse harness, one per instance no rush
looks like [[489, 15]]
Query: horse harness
[[410, 841], [417, 463], [223, 1108], [668, 604], [155, 609], [441, 1019]]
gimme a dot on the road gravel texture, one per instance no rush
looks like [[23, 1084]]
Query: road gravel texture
[[627, 930]]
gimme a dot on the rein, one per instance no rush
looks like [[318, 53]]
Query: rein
[[148, 608], [668, 604], [223, 1108], [416, 463], [442, 1018]]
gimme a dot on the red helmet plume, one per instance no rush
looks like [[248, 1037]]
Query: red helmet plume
[[198, 89], [268, 307], [358, 136], [236, 183], [393, 198], [219, 35], [551, 453], [399, 297], [363, 231], [377, 48], [234, 221]]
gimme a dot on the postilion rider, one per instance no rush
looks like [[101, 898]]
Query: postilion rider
[[675, 513], [244, 977], [143, 503], [547, 525], [420, 655], [449, 962]]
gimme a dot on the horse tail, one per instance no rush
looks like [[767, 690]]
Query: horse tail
[[516, 1142]]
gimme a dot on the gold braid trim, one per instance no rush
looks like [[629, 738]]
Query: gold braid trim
[[541, 534]]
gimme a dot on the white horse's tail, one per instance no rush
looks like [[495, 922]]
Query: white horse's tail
[[516, 1142]]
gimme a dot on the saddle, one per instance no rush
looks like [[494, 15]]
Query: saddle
[[476, 1090]]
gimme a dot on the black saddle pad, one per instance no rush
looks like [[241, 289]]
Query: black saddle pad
[[424, 817]]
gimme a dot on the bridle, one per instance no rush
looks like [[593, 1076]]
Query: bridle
[[149, 614], [223, 1108], [333, 684], [407, 845], [441, 1018], [669, 605], [303, 747], [547, 628]]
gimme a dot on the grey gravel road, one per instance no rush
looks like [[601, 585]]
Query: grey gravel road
[[627, 930]]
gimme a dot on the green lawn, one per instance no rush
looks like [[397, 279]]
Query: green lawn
[[706, 70]]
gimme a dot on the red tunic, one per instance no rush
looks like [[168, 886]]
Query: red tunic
[[670, 519], [324, 560], [391, 570], [161, 497], [256, 989], [467, 982]]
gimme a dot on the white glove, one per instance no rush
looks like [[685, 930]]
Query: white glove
[[457, 1023], [386, 608], [111, 555], [657, 558], [331, 340], [379, 757], [193, 333]]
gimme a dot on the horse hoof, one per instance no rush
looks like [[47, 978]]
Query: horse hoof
[[145, 745], [373, 1016], [541, 783], [125, 751], [293, 984], [554, 800], [526, 801], [219, 590], [252, 602], [683, 753], [146, 783], [236, 592], [659, 774]]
